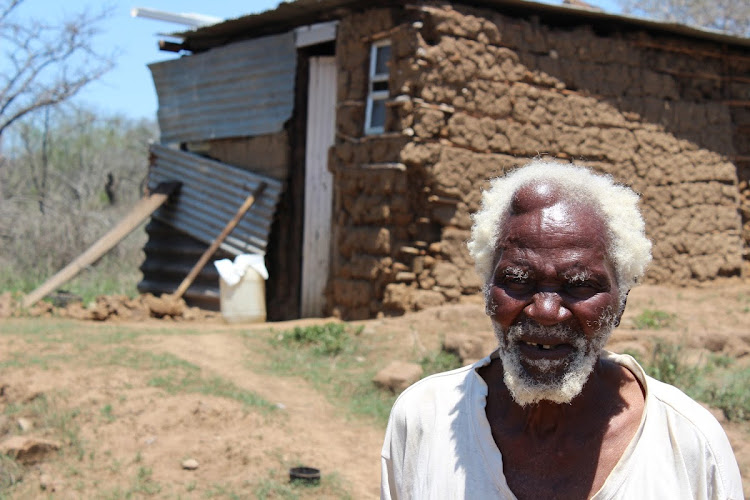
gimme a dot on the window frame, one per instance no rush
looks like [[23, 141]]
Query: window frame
[[372, 94]]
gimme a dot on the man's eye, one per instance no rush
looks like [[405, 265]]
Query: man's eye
[[515, 283], [582, 288]]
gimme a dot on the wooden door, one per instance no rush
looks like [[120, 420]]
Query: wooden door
[[316, 238]]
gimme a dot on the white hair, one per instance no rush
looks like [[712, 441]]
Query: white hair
[[628, 247]]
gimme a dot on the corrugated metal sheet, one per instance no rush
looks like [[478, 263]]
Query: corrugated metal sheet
[[240, 90], [289, 15], [210, 195], [170, 255]]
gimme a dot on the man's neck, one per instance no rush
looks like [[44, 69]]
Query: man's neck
[[564, 450], [599, 400]]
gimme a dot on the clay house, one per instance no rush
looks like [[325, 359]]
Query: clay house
[[376, 124]]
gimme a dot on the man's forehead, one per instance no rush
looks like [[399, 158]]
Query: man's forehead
[[548, 215], [538, 195]]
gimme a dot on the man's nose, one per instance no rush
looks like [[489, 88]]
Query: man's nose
[[547, 308]]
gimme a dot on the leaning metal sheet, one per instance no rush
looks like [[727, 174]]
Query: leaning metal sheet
[[210, 195], [239, 90]]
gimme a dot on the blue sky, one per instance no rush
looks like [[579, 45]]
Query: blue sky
[[128, 88]]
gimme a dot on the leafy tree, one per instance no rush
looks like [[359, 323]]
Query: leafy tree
[[44, 64], [732, 16]]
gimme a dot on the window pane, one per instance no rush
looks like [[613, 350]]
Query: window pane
[[377, 116], [377, 86], [382, 57]]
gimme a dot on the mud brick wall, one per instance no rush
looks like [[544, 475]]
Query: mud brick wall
[[372, 195], [476, 93]]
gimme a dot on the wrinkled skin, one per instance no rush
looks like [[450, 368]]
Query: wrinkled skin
[[553, 274]]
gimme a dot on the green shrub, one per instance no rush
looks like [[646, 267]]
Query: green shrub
[[653, 319], [666, 364], [716, 382], [729, 393], [440, 361], [330, 339]]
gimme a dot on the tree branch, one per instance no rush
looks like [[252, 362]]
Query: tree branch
[[45, 65]]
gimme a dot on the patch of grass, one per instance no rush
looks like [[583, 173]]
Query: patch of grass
[[653, 319], [326, 356], [667, 364], [440, 361], [146, 360], [273, 488], [744, 300], [110, 276], [175, 375], [18, 360], [729, 393], [221, 491], [11, 472], [143, 483], [330, 486], [715, 381], [329, 339], [53, 419], [106, 413], [192, 382], [64, 331]]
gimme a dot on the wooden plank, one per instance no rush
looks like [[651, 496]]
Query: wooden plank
[[316, 239], [142, 209], [218, 241]]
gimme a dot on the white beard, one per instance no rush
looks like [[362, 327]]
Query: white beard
[[563, 379]]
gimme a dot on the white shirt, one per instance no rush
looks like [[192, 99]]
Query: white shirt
[[438, 445]]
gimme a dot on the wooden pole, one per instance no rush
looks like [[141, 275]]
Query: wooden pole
[[142, 209], [219, 239]]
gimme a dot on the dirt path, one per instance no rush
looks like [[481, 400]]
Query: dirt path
[[312, 429]]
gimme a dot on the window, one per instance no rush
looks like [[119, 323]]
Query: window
[[380, 57]]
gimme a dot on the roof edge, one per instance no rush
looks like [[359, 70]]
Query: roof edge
[[289, 15]]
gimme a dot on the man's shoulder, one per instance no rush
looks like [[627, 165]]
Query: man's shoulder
[[683, 431], [696, 432], [668, 405], [434, 391], [682, 407], [670, 400]]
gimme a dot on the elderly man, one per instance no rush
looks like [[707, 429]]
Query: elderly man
[[550, 414]]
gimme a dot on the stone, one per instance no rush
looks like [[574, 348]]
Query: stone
[[446, 274], [427, 298], [398, 297], [470, 347], [28, 449], [398, 375], [49, 483], [25, 424], [190, 464], [405, 276]]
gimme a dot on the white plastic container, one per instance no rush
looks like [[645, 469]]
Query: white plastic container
[[244, 302]]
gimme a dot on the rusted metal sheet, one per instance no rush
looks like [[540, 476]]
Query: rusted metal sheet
[[210, 194], [242, 89]]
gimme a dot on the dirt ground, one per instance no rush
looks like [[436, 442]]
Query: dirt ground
[[135, 438]]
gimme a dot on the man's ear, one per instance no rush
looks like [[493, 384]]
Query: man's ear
[[622, 309]]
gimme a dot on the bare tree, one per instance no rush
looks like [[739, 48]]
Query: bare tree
[[69, 174], [732, 16], [44, 64]]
